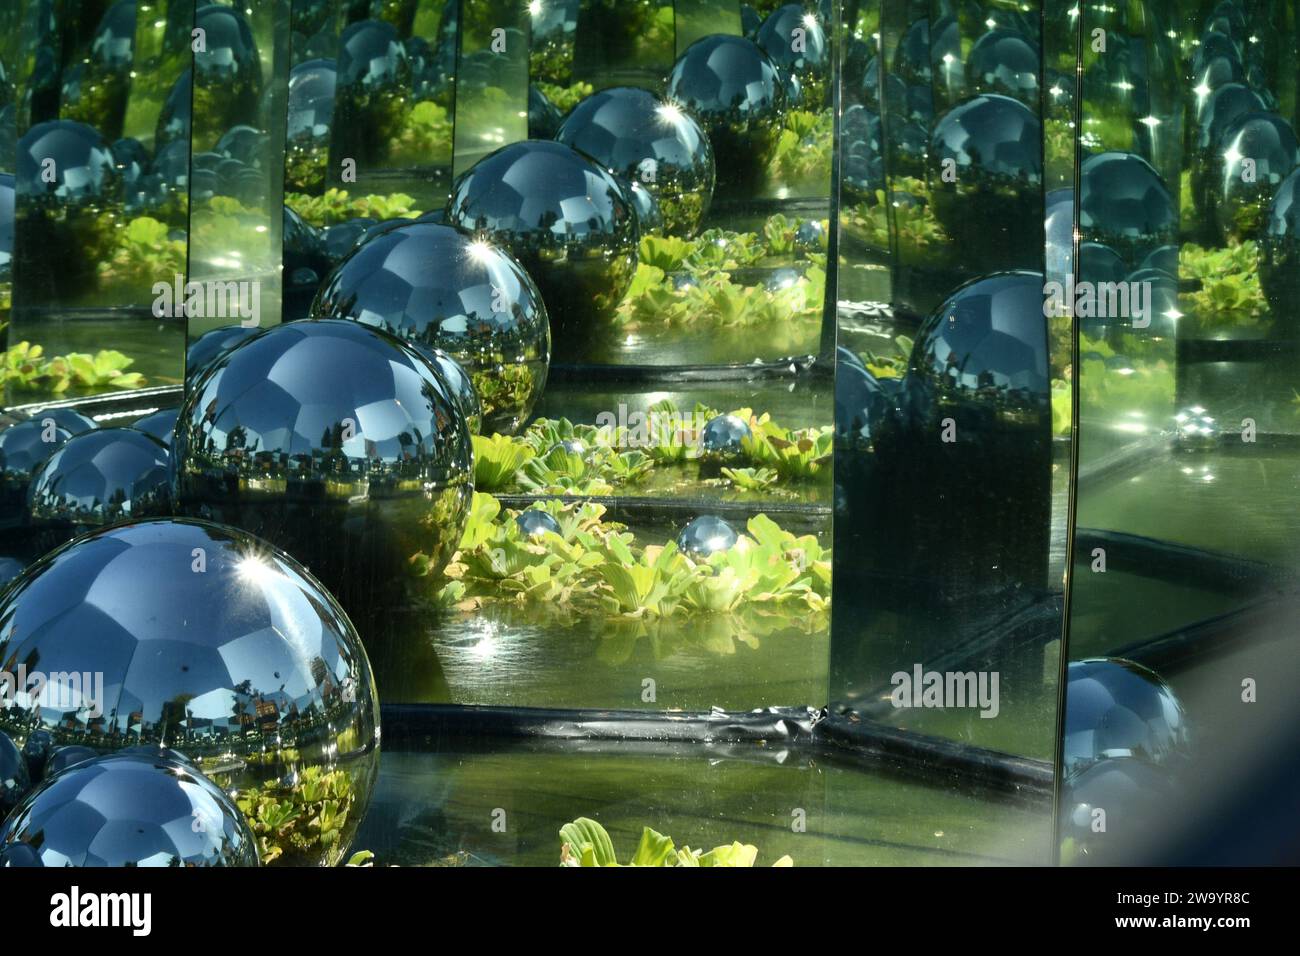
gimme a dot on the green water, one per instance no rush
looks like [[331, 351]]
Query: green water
[[431, 809]]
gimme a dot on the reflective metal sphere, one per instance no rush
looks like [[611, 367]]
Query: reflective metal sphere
[[305, 264], [804, 54], [339, 444], [374, 85], [567, 222], [722, 437], [735, 91], [174, 119], [15, 779], [36, 752], [639, 137], [228, 63], [706, 535], [1125, 205], [437, 288], [1255, 153], [1279, 261], [160, 424], [189, 635], [1004, 61], [992, 201], [102, 477], [342, 237], [1115, 708], [1196, 429], [210, 347], [649, 217], [61, 758], [65, 165], [310, 121], [535, 522], [1135, 798], [543, 116], [128, 810], [24, 447], [863, 404]]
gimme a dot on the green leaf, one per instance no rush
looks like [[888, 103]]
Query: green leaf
[[653, 850], [589, 840]]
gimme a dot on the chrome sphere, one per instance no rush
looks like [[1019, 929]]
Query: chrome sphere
[[211, 347], [129, 810], [646, 141], [15, 780], [1136, 798], [736, 92], [1279, 262], [649, 217], [310, 123], [229, 63], [102, 477], [1116, 708], [26, 445], [174, 119], [1269, 144], [1006, 62], [706, 535], [459, 385], [339, 444], [193, 636], [61, 758], [722, 438], [373, 90], [568, 223], [805, 55], [437, 288], [160, 425], [534, 522], [1125, 205], [990, 206], [82, 174]]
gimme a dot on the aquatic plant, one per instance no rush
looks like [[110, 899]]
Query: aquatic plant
[[801, 158], [1229, 292], [584, 842], [307, 817], [24, 367], [337, 205]]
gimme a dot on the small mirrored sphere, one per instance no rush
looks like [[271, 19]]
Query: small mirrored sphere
[[25, 446], [864, 404], [438, 289], [36, 752], [1279, 261], [210, 347], [305, 264], [535, 522], [338, 443], [373, 89], [160, 425], [1196, 429], [706, 535], [566, 221], [1116, 708], [61, 758], [174, 119], [649, 217], [229, 70], [647, 141], [1265, 145], [1004, 61], [310, 123], [15, 778], [342, 237], [543, 116], [723, 437], [1124, 204], [991, 206], [63, 165], [185, 634], [804, 55], [736, 93], [101, 477], [129, 810]]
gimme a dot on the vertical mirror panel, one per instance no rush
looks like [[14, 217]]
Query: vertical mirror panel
[[93, 196], [951, 365], [1185, 558]]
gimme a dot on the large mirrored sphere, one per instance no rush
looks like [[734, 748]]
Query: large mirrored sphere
[[981, 357], [568, 223], [25, 445], [188, 635], [1254, 155], [64, 165], [641, 138], [1136, 799], [437, 288], [1004, 61], [1126, 205], [131, 810], [15, 779], [310, 122], [990, 201], [1116, 708], [211, 347], [736, 92], [1279, 261], [101, 477], [229, 72], [338, 443], [795, 40]]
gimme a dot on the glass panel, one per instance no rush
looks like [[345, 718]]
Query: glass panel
[[1186, 457]]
